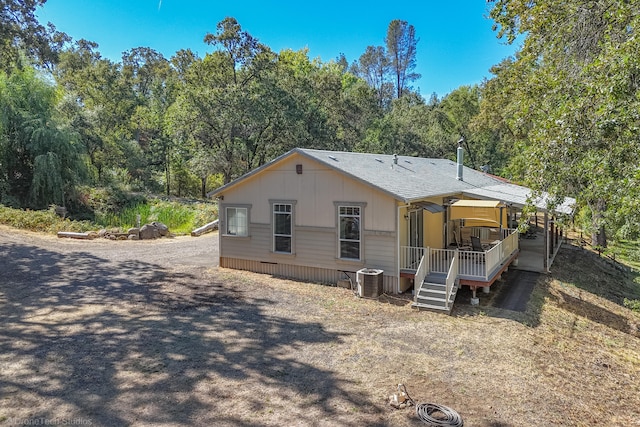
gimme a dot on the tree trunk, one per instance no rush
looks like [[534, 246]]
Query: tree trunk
[[203, 187], [167, 169], [598, 235]]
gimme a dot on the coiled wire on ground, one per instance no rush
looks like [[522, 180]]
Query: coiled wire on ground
[[450, 418], [425, 412]]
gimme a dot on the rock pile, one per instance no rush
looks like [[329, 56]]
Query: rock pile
[[149, 231]]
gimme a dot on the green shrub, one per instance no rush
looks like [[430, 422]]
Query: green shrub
[[632, 304], [181, 218], [43, 221], [125, 217]]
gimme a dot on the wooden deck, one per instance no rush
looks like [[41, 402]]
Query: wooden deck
[[474, 268]]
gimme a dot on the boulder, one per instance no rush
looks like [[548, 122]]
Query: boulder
[[162, 229], [148, 232]]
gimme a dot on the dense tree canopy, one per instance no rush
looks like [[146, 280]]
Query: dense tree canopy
[[570, 103], [560, 116], [155, 124], [40, 159]]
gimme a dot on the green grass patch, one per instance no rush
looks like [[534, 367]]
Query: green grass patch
[[632, 304], [626, 252], [181, 218], [41, 221]]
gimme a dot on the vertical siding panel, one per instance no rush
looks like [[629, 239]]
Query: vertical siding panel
[[304, 273]]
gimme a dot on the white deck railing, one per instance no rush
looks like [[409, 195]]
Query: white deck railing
[[471, 264], [410, 257], [506, 232], [421, 273], [452, 276], [440, 259]]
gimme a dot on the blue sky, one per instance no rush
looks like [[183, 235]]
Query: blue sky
[[457, 46]]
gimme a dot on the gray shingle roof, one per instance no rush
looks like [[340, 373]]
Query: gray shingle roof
[[412, 179]]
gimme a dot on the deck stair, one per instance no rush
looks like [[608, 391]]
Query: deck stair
[[432, 294]]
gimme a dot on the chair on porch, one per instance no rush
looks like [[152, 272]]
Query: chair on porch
[[461, 246], [476, 244]]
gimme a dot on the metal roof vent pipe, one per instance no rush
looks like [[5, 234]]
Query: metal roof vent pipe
[[395, 160], [460, 159]]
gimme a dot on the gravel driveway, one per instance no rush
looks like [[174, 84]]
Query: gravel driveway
[[106, 333], [165, 253], [118, 333]]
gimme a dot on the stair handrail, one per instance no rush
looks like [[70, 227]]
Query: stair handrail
[[452, 276], [421, 273]]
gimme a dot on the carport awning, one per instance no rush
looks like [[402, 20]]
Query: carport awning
[[430, 206], [479, 213]]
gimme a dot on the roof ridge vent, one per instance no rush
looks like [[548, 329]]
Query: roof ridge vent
[[333, 158], [379, 160]]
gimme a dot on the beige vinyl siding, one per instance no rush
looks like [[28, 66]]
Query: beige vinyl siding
[[315, 191], [252, 247], [380, 251], [314, 246]]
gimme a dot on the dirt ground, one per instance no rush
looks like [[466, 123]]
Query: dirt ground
[[143, 333]]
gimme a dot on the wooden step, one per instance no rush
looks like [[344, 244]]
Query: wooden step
[[439, 302], [426, 306], [436, 278], [432, 292], [431, 296]]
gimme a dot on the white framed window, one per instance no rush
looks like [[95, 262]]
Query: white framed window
[[237, 221], [350, 232], [283, 227]]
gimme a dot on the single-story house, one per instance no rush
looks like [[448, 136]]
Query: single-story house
[[382, 220]]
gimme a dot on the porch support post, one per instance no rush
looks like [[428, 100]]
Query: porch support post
[[545, 260], [474, 299]]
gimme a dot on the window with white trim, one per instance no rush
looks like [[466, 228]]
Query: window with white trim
[[282, 227], [237, 221], [350, 231]]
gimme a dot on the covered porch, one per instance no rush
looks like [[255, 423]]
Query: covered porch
[[437, 274], [468, 242], [473, 266]]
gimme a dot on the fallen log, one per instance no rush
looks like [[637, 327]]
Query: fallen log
[[205, 228], [75, 235]]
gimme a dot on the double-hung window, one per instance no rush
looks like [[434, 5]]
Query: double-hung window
[[350, 232], [282, 227], [237, 221]]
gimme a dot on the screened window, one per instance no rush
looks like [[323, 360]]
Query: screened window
[[282, 227], [237, 222], [350, 231]]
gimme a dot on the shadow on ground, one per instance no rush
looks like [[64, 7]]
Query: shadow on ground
[[522, 295], [131, 342]]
